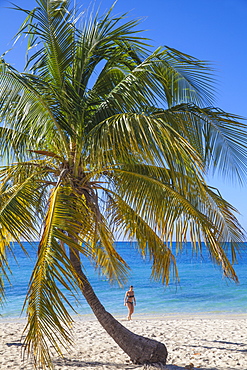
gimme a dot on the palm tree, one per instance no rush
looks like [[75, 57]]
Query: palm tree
[[101, 136]]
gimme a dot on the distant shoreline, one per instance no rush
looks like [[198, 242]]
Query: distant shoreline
[[148, 316]]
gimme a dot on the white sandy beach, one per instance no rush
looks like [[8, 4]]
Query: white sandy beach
[[212, 342]]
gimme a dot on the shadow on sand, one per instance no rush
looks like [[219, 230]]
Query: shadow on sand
[[124, 366]]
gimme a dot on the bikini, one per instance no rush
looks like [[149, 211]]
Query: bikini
[[130, 296]]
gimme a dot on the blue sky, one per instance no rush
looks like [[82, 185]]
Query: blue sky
[[213, 30]]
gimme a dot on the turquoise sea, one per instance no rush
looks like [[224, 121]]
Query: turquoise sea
[[202, 288]]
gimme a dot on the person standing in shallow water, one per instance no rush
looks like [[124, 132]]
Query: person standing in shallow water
[[130, 301]]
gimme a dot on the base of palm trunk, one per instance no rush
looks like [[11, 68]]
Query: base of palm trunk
[[141, 350], [147, 351]]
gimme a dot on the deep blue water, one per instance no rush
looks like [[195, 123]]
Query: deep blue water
[[202, 288]]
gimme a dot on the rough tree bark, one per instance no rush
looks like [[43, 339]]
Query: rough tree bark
[[141, 350]]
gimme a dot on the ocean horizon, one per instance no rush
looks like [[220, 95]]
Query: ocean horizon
[[202, 289]]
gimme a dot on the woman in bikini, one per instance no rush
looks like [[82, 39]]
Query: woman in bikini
[[130, 301]]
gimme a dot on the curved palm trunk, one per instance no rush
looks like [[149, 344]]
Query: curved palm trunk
[[141, 350]]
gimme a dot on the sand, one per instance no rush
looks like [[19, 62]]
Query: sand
[[207, 342]]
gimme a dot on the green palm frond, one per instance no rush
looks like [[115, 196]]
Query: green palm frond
[[5, 246], [10, 148], [91, 229], [17, 208], [146, 138], [49, 26], [48, 318], [220, 137], [180, 209], [26, 112], [99, 39], [230, 232], [150, 245], [105, 256], [191, 78], [159, 80], [158, 203], [19, 201]]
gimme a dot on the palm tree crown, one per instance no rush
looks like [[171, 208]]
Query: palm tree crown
[[102, 137]]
